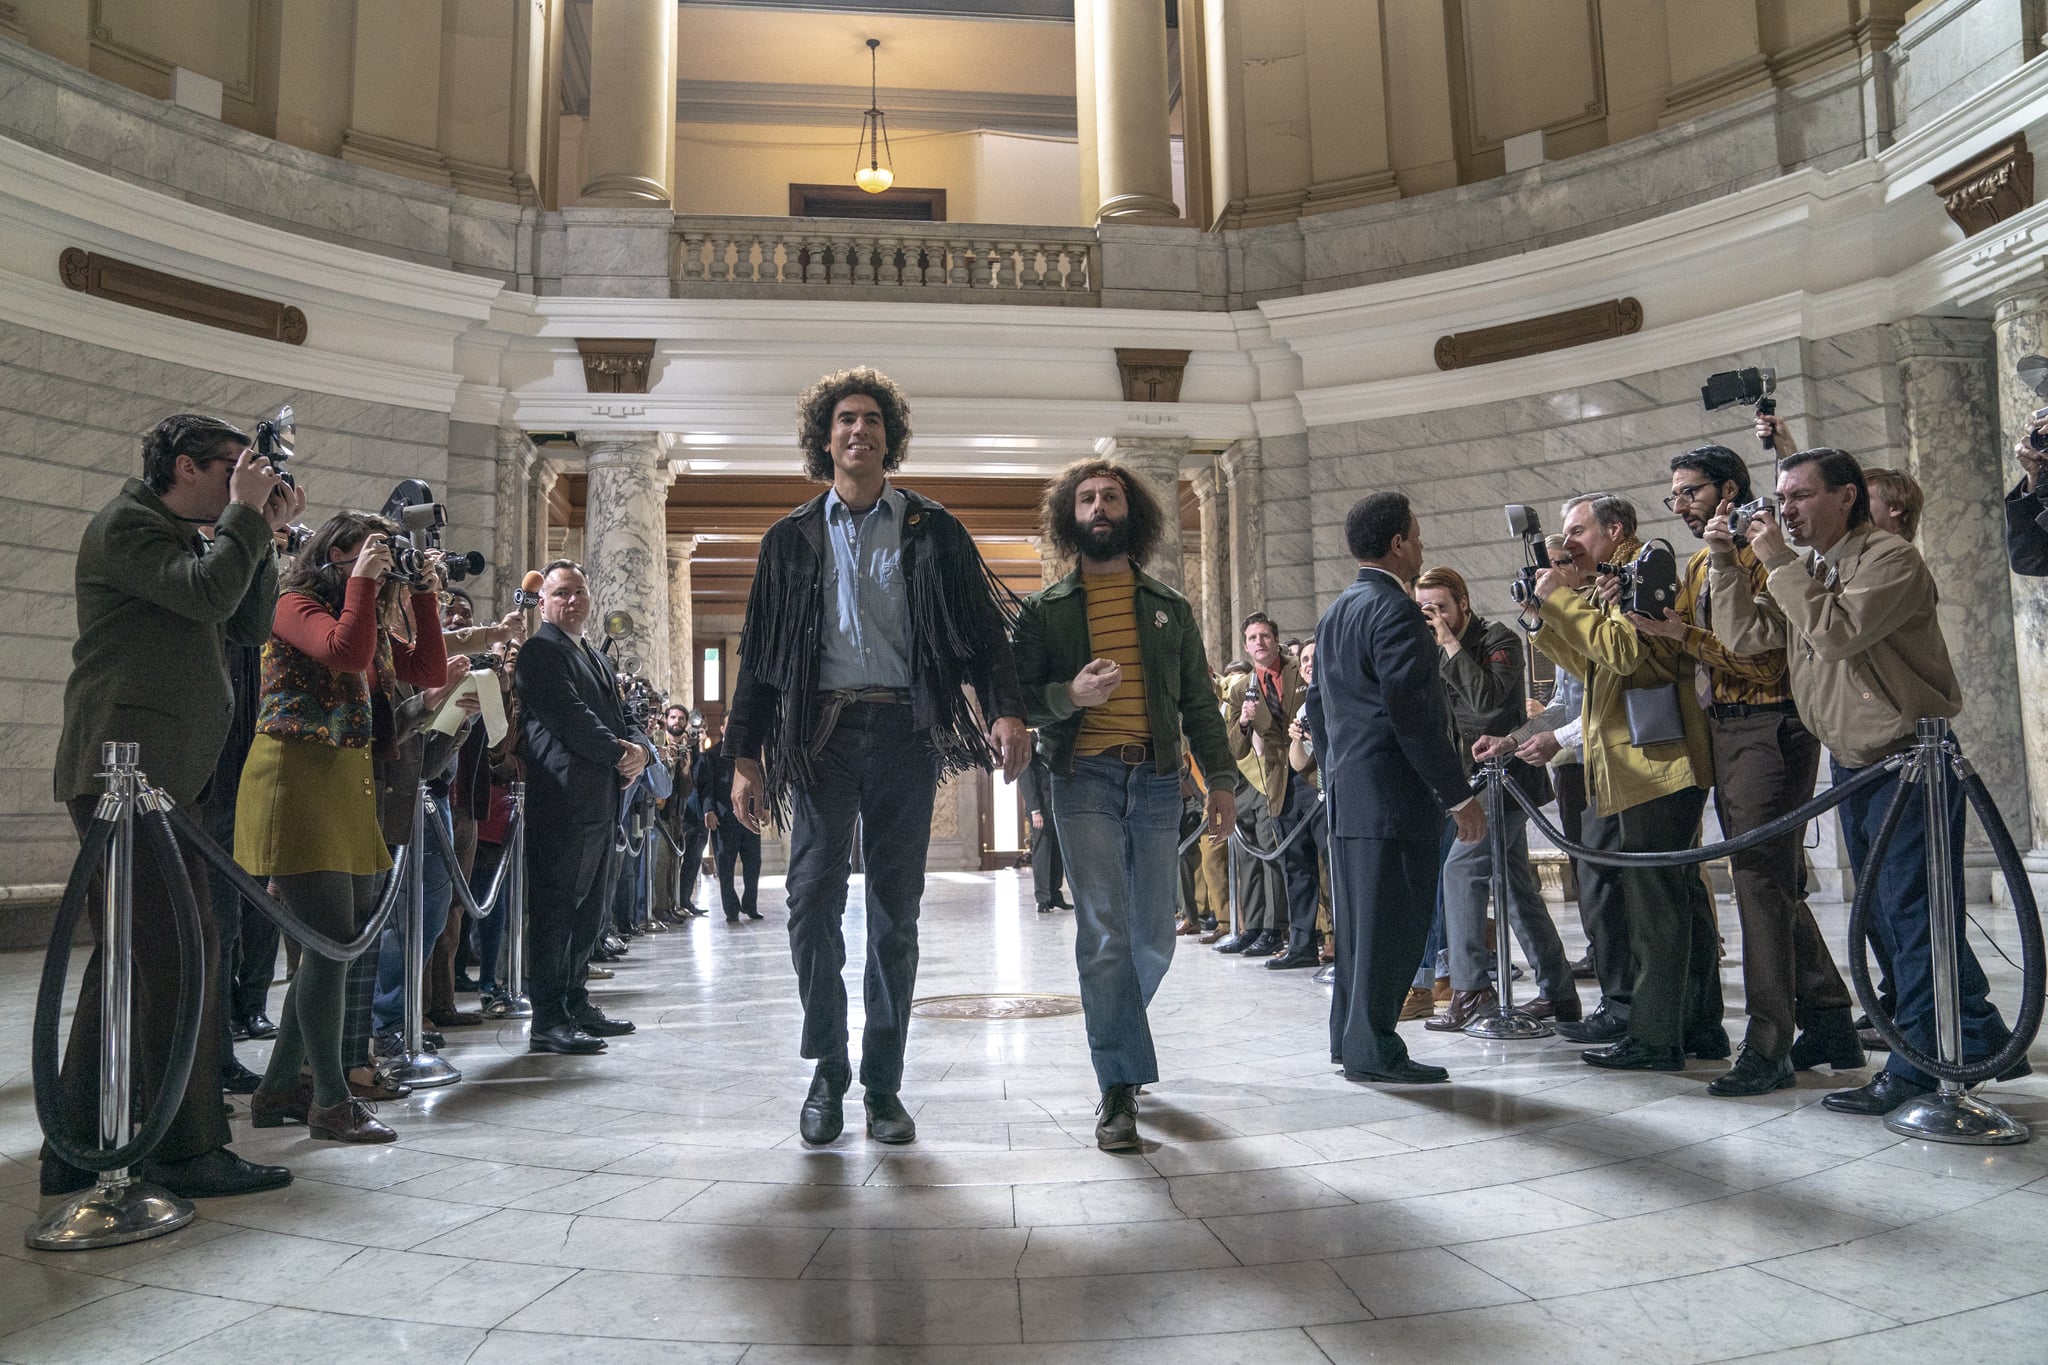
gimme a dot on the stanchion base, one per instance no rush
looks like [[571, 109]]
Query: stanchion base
[[110, 1217], [518, 1007], [1507, 1025], [421, 1071], [652, 926], [1952, 1116], [1325, 975]]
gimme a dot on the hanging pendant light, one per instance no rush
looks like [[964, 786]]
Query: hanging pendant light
[[878, 174]]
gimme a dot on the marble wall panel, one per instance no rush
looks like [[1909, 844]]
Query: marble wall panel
[[1953, 50]]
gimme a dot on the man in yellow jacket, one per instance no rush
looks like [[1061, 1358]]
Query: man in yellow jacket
[[1640, 798]]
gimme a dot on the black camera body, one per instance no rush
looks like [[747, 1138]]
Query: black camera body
[[1649, 582], [420, 519], [1523, 522], [1753, 388]]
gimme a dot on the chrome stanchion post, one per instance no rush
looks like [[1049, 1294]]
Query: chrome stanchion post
[[419, 1068], [120, 1207], [1950, 1113], [647, 922], [1502, 1021], [1236, 890], [517, 1006]]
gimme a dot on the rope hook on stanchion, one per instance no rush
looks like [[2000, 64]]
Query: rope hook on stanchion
[[418, 1068], [120, 1207], [1502, 1021]]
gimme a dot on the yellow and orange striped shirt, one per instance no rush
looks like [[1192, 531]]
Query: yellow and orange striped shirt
[[1113, 634]]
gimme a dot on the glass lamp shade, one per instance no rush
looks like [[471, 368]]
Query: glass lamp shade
[[874, 179]]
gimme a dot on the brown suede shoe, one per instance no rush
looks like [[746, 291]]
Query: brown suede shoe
[[1214, 935], [1418, 1005], [1464, 1005], [1565, 1011], [350, 1121], [1441, 993]]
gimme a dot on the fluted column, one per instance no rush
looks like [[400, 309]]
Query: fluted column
[[625, 536], [511, 538], [540, 542], [1215, 561], [1156, 460], [2021, 327], [1952, 448], [1243, 473], [629, 146], [682, 628], [1133, 159]]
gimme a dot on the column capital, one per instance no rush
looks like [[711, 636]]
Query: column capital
[[2028, 295], [1203, 479], [1933, 338], [1239, 458], [607, 445], [516, 445], [681, 547]]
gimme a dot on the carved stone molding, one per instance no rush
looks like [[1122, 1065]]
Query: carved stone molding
[[1990, 187], [1533, 336], [615, 365], [1151, 376], [138, 286]]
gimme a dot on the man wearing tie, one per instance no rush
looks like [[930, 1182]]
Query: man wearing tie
[[572, 734], [1382, 731]]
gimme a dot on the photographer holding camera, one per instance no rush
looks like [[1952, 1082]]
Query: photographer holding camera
[[1765, 761], [1864, 647], [1647, 771], [2026, 506]]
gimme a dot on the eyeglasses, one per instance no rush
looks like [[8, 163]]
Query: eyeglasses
[[1685, 495]]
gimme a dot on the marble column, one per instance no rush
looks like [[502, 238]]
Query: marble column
[[1133, 150], [1052, 565], [1243, 473], [1191, 571], [625, 536], [629, 145], [2021, 326], [540, 541], [1156, 460], [1215, 559], [511, 540], [682, 629], [1953, 448]]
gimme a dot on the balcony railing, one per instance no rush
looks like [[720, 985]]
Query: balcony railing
[[838, 258]]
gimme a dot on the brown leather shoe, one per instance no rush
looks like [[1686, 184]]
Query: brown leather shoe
[[1327, 952], [350, 1121], [1565, 1011], [268, 1109], [1214, 935], [1441, 993], [1464, 1005], [454, 1018], [1418, 1005], [1186, 927], [375, 1088]]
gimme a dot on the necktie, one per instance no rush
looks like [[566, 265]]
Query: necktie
[[1702, 676]]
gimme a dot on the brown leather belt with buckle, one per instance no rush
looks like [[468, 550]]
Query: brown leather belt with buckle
[[1132, 754], [873, 696]]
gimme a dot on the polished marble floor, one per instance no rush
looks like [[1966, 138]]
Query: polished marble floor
[[655, 1204]]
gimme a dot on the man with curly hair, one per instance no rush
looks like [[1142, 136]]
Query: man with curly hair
[[1113, 672], [871, 613]]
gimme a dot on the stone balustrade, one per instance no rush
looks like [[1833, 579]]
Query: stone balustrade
[[842, 258]]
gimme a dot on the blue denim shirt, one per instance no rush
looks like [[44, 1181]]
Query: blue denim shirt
[[866, 635]]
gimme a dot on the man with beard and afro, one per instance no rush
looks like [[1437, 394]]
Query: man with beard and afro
[[1112, 669]]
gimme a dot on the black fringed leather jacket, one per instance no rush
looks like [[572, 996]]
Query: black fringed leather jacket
[[959, 634]]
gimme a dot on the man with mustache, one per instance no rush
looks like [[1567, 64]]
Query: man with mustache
[[1113, 672]]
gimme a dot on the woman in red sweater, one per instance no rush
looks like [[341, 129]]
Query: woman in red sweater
[[306, 815]]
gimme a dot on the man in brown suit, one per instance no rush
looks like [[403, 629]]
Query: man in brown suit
[[1260, 705]]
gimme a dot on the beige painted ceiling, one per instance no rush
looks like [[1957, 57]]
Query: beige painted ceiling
[[808, 48]]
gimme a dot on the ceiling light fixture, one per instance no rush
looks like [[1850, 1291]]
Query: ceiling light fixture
[[879, 173]]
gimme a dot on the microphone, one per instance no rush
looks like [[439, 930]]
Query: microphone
[[528, 594]]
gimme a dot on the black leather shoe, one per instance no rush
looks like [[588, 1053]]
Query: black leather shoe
[[1598, 1027], [824, 1113], [2020, 1068], [214, 1175], [1885, 1092], [258, 1025], [1407, 1071], [1708, 1044], [603, 955], [1238, 942], [564, 1038], [752, 914], [236, 1079], [1116, 1124], [1289, 960], [1629, 1054], [1869, 1037], [888, 1120], [1265, 945], [598, 1025], [1828, 1041], [1754, 1074], [63, 1178]]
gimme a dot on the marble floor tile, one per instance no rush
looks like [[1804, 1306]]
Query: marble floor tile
[[299, 1334], [374, 1218], [554, 1348], [2003, 1331], [1401, 1284], [31, 1291], [1624, 1189], [589, 1243], [1231, 1192], [1359, 1229], [126, 1329], [732, 1203], [1119, 1248], [919, 1254], [1182, 1302], [1233, 1154], [1281, 1346], [1095, 1201]]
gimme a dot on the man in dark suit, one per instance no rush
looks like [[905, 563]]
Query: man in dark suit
[[1047, 873], [737, 848], [1382, 732], [573, 736]]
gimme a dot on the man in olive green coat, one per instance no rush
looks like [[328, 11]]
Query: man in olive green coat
[[155, 604]]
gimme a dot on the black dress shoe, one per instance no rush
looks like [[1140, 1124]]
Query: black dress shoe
[[888, 1120], [1266, 944], [1754, 1074], [1828, 1041], [752, 914], [61, 1177], [1708, 1044], [1238, 942], [1289, 960], [467, 984], [604, 954], [1598, 1027], [214, 1175], [598, 1025], [1886, 1091], [236, 1079], [1630, 1054], [566, 1039], [1045, 909], [1407, 1071], [2020, 1068], [258, 1025], [824, 1113]]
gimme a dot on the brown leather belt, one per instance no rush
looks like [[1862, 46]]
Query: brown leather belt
[[1131, 754]]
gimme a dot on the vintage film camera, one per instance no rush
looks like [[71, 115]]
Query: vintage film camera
[[1523, 522], [276, 441], [420, 518], [1743, 517], [1649, 582], [1752, 388]]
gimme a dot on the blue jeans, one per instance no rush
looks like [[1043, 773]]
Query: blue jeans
[[387, 1006], [1119, 829], [490, 930], [1898, 920]]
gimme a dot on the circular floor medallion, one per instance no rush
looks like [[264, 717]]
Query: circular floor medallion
[[995, 1006]]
